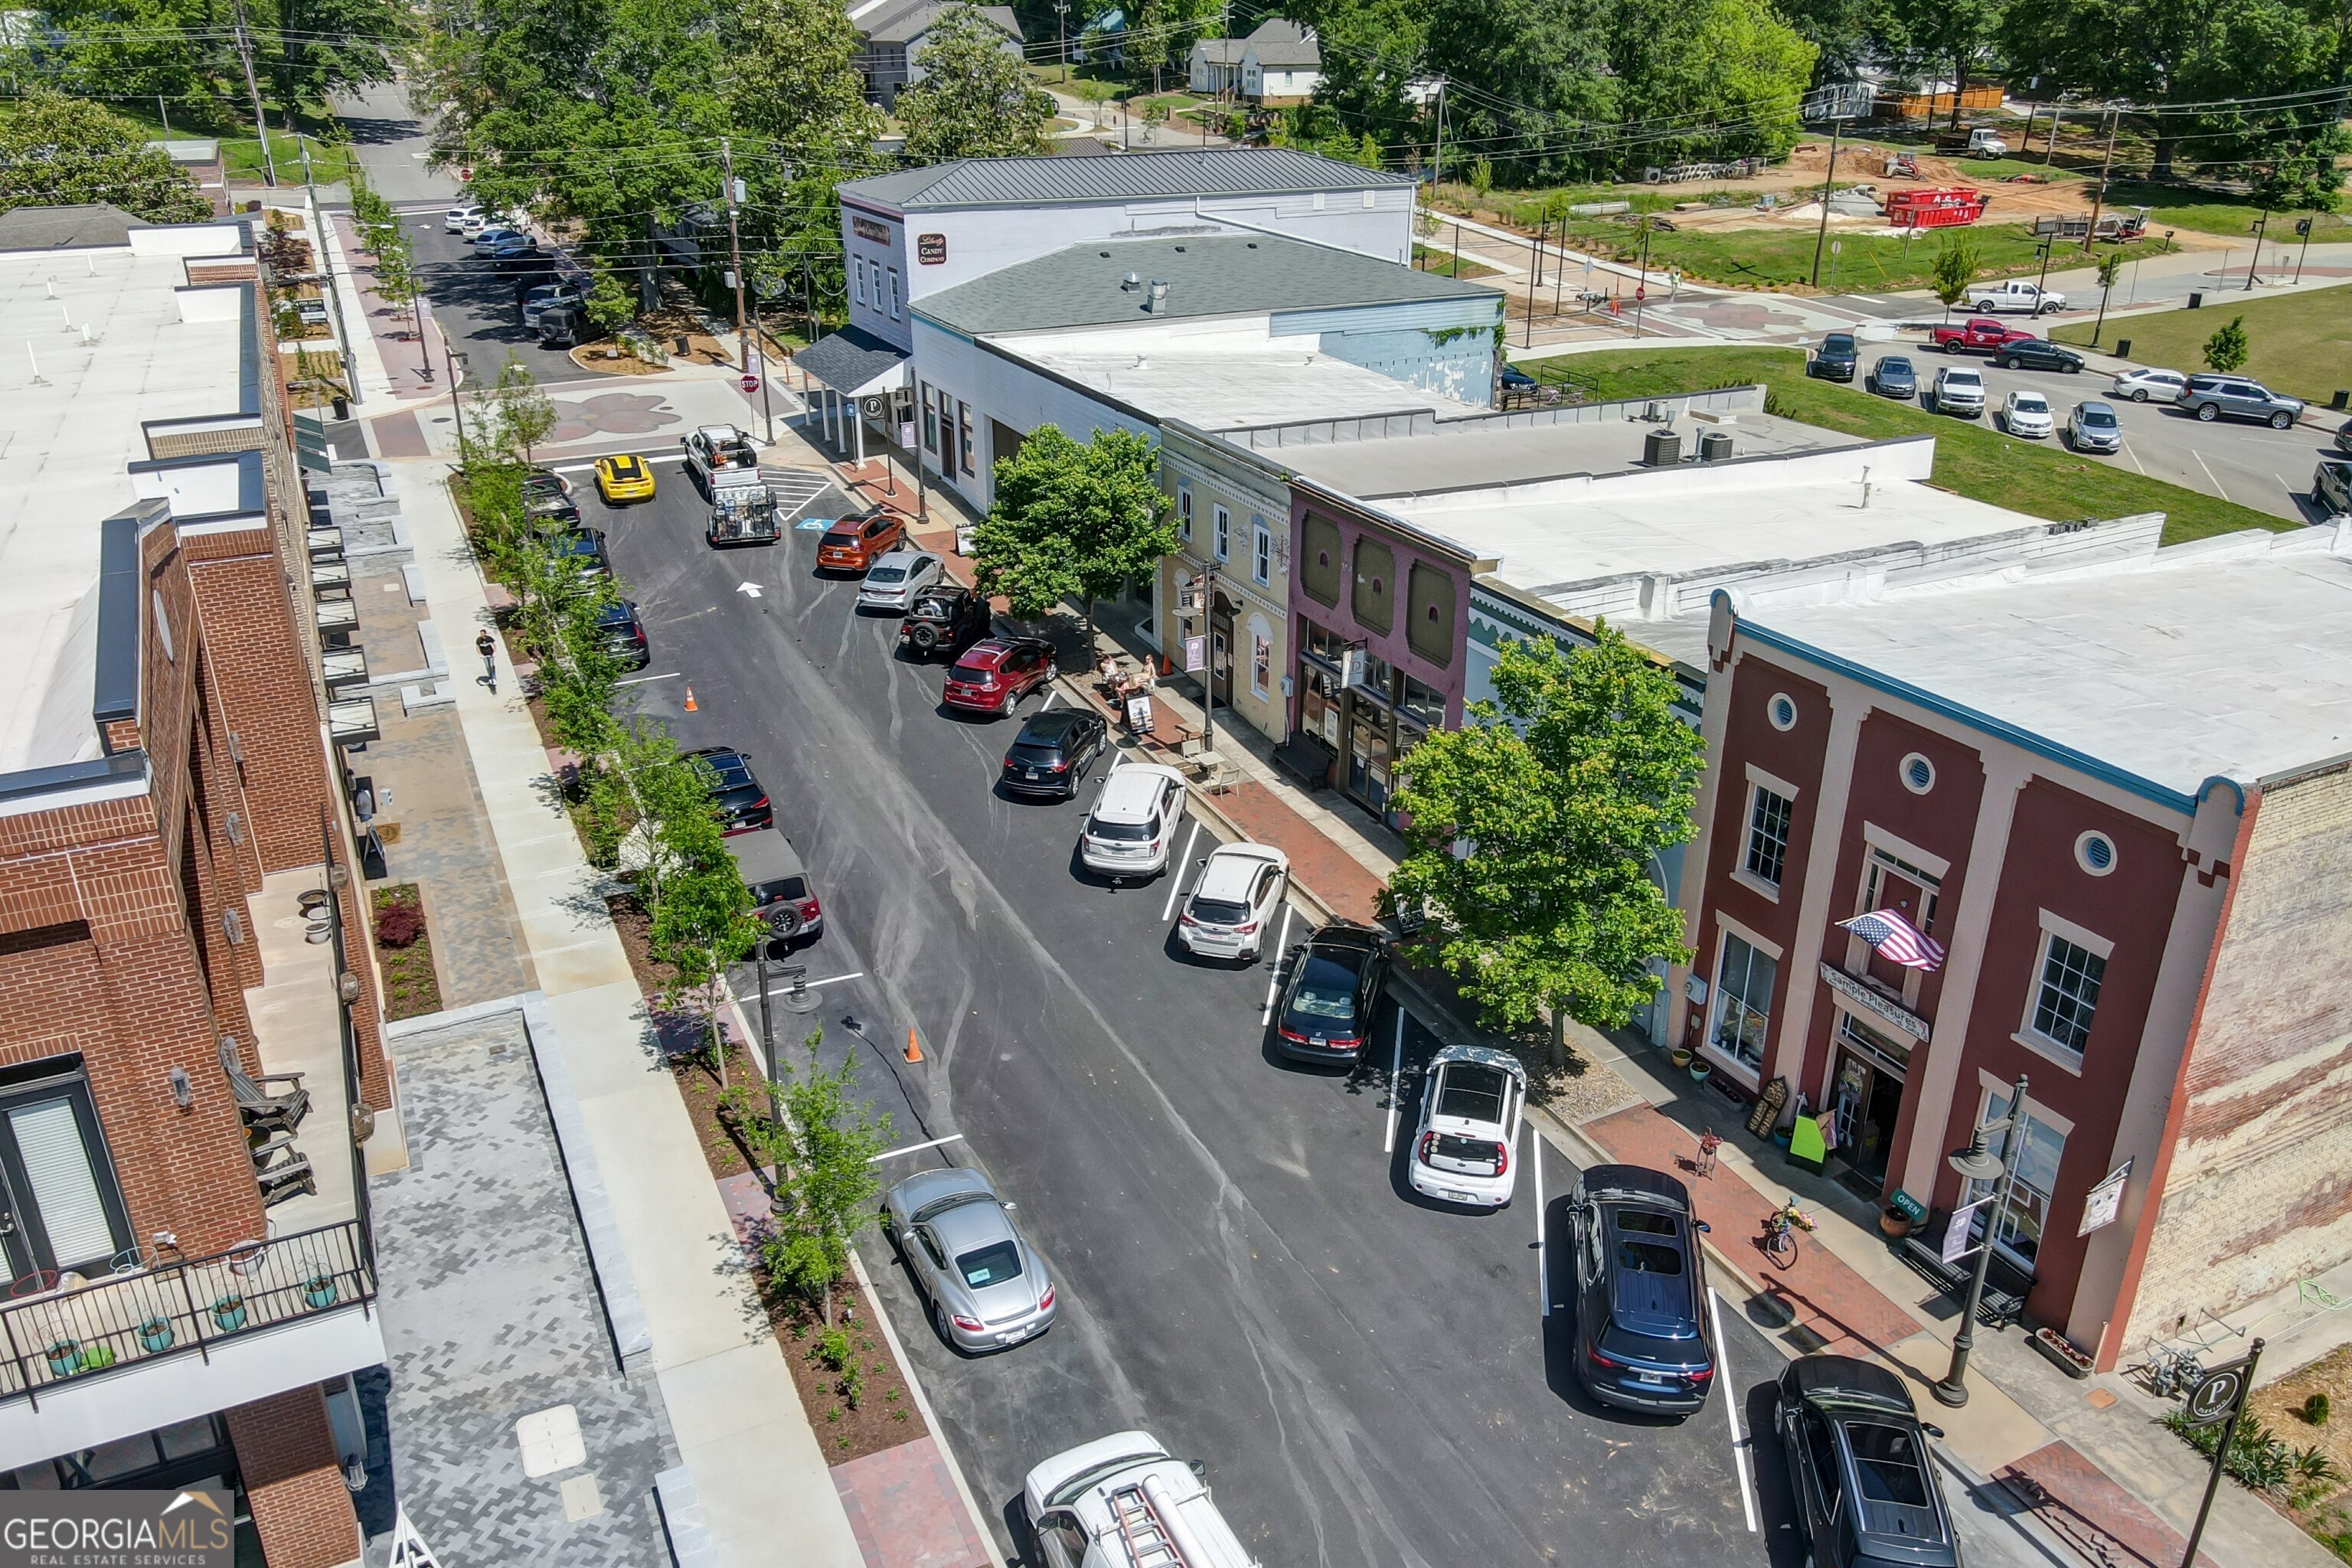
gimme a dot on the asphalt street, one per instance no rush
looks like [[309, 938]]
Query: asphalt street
[[1242, 1268], [2252, 465]]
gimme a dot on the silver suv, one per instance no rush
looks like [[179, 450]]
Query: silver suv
[[2214, 397]]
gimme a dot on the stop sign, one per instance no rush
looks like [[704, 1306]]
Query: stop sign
[[749, 384]]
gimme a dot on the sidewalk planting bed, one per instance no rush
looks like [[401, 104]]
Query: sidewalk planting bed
[[1970, 459], [403, 953]]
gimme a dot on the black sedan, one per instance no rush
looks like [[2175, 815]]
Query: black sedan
[[623, 634], [1893, 377], [742, 804], [2037, 353], [1054, 750], [1642, 1325], [1836, 358], [540, 483], [585, 547], [1857, 1453], [1328, 1000]]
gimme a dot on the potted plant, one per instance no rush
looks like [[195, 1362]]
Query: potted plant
[[64, 1356], [1700, 1069], [2060, 1350], [1680, 1056], [228, 1311], [1893, 1223], [318, 1291], [155, 1334]]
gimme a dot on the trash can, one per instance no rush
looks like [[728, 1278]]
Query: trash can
[[2123, 348], [2342, 400], [342, 408], [2196, 301]]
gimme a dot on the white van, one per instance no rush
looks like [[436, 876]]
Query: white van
[[1122, 1502]]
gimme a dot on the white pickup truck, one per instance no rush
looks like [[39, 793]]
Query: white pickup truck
[[1122, 1502], [718, 453], [2016, 294]]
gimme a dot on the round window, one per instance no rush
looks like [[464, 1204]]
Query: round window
[[1783, 710], [1918, 773], [2096, 852]]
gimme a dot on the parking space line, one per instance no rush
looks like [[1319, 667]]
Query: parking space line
[[1282, 949], [1176, 882], [1739, 1445], [1051, 693], [1396, 1086], [2209, 474], [641, 679], [1543, 1275], [777, 989], [914, 1148]]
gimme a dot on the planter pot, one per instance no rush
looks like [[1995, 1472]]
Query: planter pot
[[156, 1335], [1894, 1223], [64, 1357], [1680, 1056], [1781, 1139], [2069, 1360], [1700, 1070], [318, 1293], [229, 1312]]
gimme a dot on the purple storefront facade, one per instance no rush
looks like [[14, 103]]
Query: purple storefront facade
[[1379, 614]]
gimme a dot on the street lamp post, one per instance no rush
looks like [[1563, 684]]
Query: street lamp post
[[2261, 231], [1978, 1164]]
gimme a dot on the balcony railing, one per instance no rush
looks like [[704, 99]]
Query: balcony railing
[[173, 1308]]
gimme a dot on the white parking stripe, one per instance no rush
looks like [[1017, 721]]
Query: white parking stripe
[[1054, 691], [1176, 881], [1282, 949], [1543, 1275], [1739, 1447], [1396, 1086]]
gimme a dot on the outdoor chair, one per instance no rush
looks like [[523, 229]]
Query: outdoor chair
[[282, 1173], [280, 1113]]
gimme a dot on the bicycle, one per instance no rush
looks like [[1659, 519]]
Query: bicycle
[[2171, 1374], [1703, 1167], [1781, 1228]]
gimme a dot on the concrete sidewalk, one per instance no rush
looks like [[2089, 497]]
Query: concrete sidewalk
[[757, 1469]]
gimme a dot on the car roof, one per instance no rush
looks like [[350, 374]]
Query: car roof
[[1484, 1056], [1345, 935], [1133, 789], [622, 462], [1848, 1377], [765, 854], [1232, 869], [1051, 726], [902, 555], [1633, 1183]]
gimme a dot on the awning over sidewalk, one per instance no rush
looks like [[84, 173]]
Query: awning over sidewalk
[[853, 362]]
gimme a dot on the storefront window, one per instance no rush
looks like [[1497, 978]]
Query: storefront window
[[1323, 644], [1743, 1002], [1379, 679], [1424, 705], [1318, 705], [2019, 1231], [1261, 663]]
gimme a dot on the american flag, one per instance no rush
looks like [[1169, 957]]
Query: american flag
[[1897, 940]]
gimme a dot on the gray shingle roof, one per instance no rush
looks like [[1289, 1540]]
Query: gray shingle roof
[[1219, 52], [65, 228], [1207, 275], [849, 359], [1026, 181], [909, 20], [1284, 44]]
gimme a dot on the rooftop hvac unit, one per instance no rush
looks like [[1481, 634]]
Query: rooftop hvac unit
[[1714, 446], [1662, 449]]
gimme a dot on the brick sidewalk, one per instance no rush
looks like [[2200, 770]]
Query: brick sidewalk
[[2087, 1510]]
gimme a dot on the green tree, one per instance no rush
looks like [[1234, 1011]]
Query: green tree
[[2111, 268], [2226, 350], [65, 151], [822, 1141], [702, 923], [1733, 66], [1532, 834], [519, 410], [1955, 269], [1537, 86], [975, 100], [610, 304], [1942, 37], [1072, 522]]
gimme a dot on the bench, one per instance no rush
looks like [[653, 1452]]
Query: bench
[[1307, 761], [2004, 1292]]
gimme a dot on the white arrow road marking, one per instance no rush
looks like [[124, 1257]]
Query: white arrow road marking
[[753, 589]]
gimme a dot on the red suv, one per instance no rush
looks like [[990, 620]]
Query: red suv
[[997, 672], [852, 544]]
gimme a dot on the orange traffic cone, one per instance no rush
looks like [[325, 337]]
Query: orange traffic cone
[[914, 1051], [689, 699]]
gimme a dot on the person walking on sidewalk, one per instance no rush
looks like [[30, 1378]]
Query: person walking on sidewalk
[[485, 644]]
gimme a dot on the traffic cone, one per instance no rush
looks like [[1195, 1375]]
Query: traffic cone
[[689, 699], [914, 1051]]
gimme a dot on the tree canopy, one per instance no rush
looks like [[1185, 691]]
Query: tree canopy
[[1072, 522], [68, 151], [975, 100], [1533, 833]]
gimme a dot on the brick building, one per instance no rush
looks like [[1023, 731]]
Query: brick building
[[189, 1257], [2120, 798]]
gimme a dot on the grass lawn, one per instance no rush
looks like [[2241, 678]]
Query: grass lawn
[[242, 154], [1445, 261], [1768, 258], [1972, 459], [2300, 344], [2209, 212]]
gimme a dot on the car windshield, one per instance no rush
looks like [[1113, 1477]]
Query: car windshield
[[616, 616], [1471, 1092], [1118, 832], [887, 574], [2031, 406], [1895, 367], [990, 1265], [1468, 1151], [1327, 990], [1219, 912], [1837, 344], [1683, 1350], [836, 541], [1962, 378], [973, 674], [2096, 418], [1025, 750], [1886, 1463]]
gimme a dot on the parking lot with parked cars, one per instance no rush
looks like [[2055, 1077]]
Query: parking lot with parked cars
[[1240, 1256]]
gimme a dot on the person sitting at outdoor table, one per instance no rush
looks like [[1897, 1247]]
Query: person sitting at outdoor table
[[1108, 672]]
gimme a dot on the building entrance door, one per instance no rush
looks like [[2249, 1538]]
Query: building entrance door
[[1865, 1103], [1221, 652], [1368, 759]]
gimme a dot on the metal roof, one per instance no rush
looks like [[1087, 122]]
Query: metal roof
[[1128, 176], [1207, 275]]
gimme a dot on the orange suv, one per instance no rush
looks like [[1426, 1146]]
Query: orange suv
[[853, 544]]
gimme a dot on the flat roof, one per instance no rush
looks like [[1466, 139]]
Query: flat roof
[[1128, 176], [1207, 274], [2224, 656], [1234, 385], [74, 433]]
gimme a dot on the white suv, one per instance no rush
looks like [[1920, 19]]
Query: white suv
[[1131, 830], [1238, 895], [1470, 1098]]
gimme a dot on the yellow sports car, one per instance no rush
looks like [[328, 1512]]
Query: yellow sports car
[[623, 476]]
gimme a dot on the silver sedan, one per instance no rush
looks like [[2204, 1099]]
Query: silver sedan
[[895, 577], [986, 1286]]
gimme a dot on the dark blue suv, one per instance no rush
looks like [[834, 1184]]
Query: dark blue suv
[[1643, 1336]]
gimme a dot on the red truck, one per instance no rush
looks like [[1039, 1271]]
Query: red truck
[[1979, 334]]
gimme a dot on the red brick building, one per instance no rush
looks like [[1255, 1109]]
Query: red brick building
[[2121, 801], [189, 1254]]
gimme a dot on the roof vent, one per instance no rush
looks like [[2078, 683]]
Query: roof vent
[[1132, 280], [1158, 300]]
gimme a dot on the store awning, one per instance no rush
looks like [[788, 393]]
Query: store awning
[[853, 362]]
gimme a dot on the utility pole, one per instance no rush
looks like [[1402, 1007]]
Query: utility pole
[[253, 91], [1062, 17], [1437, 158], [1828, 183], [735, 254], [327, 264], [2099, 196], [2049, 152], [1535, 282]]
